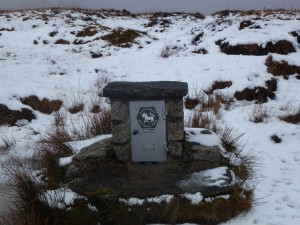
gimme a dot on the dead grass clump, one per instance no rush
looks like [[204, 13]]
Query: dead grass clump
[[293, 117], [169, 50], [201, 51], [191, 103], [28, 208], [281, 68], [218, 85], [102, 80], [95, 108], [259, 113], [180, 210], [197, 39], [225, 13], [76, 108], [213, 102], [44, 106], [62, 42], [121, 38], [260, 94], [7, 29], [230, 138], [49, 150], [271, 85], [95, 55], [245, 23], [10, 117], [32, 208], [94, 125], [208, 102], [202, 120], [296, 34], [53, 33], [276, 139], [87, 32], [198, 16], [282, 47]]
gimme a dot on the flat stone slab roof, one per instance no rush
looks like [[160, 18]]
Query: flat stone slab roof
[[146, 90]]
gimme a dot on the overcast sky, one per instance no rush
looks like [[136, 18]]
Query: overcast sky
[[203, 6]]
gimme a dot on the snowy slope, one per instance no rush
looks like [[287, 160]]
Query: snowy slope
[[32, 64]]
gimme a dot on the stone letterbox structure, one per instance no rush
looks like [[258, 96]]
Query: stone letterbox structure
[[147, 119]]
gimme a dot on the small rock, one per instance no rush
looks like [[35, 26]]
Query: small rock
[[206, 132]]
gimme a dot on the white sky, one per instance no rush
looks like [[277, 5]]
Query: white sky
[[203, 6]]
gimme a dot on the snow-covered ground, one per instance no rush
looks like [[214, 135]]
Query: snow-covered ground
[[32, 64]]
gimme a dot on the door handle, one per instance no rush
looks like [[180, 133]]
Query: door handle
[[135, 132]]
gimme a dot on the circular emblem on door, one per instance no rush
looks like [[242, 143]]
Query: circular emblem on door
[[147, 117]]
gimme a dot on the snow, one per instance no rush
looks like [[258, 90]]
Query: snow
[[194, 198], [26, 69], [60, 198], [156, 199], [211, 177], [77, 145]]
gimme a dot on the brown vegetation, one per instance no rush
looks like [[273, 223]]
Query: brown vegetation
[[218, 85], [87, 32], [293, 117], [197, 39], [259, 113], [44, 106], [281, 68], [260, 94], [245, 23], [276, 139], [7, 29], [62, 42], [53, 33], [96, 54], [121, 38], [296, 34], [201, 51], [282, 47], [10, 117], [179, 210]]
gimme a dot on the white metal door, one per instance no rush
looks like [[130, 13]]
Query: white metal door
[[148, 131]]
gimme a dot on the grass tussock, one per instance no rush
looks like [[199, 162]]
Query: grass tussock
[[169, 50], [87, 32], [62, 42], [45, 105], [211, 102], [179, 210], [292, 117], [32, 208], [121, 38], [201, 120], [93, 125], [49, 150], [230, 137], [276, 139], [79, 107], [282, 68], [260, 113]]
